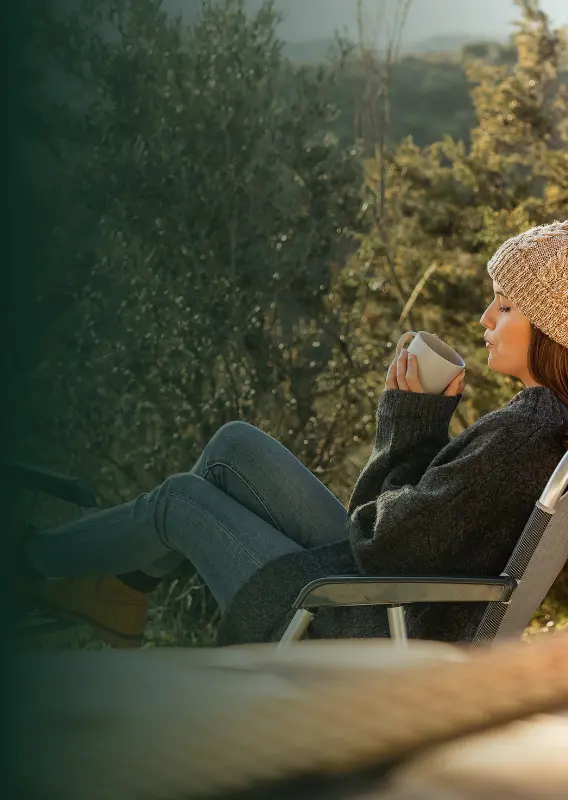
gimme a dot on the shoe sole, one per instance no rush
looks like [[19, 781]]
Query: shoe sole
[[107, 635]]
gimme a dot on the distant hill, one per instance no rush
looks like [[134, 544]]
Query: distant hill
[[445, 44], [316, 50], [309, 52]]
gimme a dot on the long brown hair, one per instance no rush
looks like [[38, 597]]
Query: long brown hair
[[548, 365]]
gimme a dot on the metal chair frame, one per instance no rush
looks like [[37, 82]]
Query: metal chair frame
[[396, 592]]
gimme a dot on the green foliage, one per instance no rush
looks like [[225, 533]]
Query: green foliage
[[450, 205], [219, 206]]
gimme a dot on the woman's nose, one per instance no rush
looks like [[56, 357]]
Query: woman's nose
[[487, 318]]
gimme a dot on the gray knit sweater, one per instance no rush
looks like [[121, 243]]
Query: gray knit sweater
[[423, 505]]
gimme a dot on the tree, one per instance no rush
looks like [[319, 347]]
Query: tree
[[206, 205]]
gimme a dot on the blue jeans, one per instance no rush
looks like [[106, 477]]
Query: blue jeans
[[246, 501]]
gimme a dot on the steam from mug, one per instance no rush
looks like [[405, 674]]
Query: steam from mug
[[438, 364]]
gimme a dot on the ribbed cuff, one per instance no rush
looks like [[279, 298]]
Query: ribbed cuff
[[407, 417]]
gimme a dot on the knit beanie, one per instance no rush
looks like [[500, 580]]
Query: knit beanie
[[532, 271]]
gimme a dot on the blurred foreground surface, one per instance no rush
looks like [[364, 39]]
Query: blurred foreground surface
[[317, 719]]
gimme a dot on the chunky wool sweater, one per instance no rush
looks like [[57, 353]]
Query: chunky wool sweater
[[423, 505]]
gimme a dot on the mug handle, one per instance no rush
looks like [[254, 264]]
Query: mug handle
[[399, 343]]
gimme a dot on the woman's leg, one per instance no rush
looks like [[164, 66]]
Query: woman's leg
[[263, 475], [246, 501]]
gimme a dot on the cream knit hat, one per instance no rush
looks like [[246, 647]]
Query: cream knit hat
[[532, 271]]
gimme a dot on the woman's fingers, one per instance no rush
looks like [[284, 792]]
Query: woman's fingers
[[391, 376], [412, 379], [403, 374], [456, 386], [401, 367]]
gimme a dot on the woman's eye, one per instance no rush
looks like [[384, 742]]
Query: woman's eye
[[504, 308]]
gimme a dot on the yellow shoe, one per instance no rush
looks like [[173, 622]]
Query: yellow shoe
[[117, 613]]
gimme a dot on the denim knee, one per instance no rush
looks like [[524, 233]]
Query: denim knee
[[234, 439]]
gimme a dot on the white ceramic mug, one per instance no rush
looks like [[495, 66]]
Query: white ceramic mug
[[437, 363]]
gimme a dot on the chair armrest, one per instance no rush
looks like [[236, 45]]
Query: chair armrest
[[72, 490], [360, 590]]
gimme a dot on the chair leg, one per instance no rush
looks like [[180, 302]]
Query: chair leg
[[397, 625], [298, 625]]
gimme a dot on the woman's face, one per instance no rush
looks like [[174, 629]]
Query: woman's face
[[508, 334]]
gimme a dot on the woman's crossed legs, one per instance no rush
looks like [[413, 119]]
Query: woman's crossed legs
[[245, 502]]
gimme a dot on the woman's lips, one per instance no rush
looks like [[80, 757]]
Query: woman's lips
[[489, 346]]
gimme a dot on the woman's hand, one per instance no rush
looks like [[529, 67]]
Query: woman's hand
[[403, 374], [456, 386]]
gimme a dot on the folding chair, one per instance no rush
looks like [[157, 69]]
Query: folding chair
[[513, 597], [56, 484]]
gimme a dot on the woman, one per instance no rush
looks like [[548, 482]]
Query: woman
[[257, 525]]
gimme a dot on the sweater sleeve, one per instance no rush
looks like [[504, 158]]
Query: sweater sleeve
[[452, 518], [412, 428]]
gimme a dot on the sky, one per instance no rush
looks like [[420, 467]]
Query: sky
[[315, 19]]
